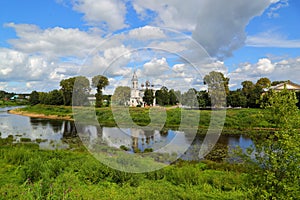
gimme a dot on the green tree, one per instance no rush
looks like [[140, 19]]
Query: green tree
[[236, 99], [34, 98], [277, 82], [43, 97], [148, 96], [67, 86], [99, 82], [173, 98], [162, 96], [275, 171], [203, 99], [263, 83], [55, 97], [217, 87], [81, 89], [189, 98], [2, 94], [121, 95], [248, 89]]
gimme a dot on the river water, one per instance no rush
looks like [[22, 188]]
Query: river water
[[54, 134]]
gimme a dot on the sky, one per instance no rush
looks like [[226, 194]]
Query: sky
[[171, 43]]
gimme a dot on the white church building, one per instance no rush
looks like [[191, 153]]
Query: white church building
[[136, 94]]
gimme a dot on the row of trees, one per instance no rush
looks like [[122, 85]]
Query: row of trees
[[218, 93], [79, 85]]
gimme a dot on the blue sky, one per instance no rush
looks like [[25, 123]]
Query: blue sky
[[43, 42]]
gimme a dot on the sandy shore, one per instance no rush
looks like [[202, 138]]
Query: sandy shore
[[35, 115]]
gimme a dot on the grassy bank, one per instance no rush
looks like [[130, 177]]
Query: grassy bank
[[29, 173], [12, 103], [236, 119]]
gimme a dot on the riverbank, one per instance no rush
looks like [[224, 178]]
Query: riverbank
[[45, 112], [236, 119]]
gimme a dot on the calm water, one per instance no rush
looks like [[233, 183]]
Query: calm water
[[54, 134]]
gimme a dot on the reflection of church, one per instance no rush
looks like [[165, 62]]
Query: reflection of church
[[136, 94]]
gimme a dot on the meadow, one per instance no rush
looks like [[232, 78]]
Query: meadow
[[245, 119], [29, 173]]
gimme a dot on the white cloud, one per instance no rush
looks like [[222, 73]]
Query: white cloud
[[271, 39], [146, 33], [286, 69], [155, 67], [103, 13], [279, 4], [265, 66], [53, 42]]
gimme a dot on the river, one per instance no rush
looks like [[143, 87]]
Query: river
[[55, 134]]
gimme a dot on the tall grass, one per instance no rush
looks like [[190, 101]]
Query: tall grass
[[29, 173]]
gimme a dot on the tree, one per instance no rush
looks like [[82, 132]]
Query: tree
[[263, 83], [81, 89], [148, 96], [67, 90], [121, 95], [217, 87], [162, 96], [203, 99], [248, 91], [99, 82], [277, 82], [173, 99], [55, 97], [275, 171], [236, 99], [34, 98], [189, 98]]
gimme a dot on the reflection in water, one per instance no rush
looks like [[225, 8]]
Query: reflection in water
[[51, 134]]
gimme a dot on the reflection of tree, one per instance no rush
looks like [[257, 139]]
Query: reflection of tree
[[164, 133], [140, 135], [69, 129]]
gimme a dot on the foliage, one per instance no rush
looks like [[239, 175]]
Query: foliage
[[203, 99], [54, 97], [189, 98], [236, 99], [29, 173], [99, 82], [275, 172], [148, 96], [162, 96], [79, 85], [121, 95], [174, 97], [34, 98], [217, 87]]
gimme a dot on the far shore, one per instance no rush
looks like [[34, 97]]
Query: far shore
[[36, 115]]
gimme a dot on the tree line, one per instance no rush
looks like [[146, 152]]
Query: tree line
[[79, 85], [217, 93]]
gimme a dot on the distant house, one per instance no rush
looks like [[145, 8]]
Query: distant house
[[15, 97], [289, 85]]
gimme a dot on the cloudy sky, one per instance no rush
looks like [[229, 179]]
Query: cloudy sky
[[169, 42]]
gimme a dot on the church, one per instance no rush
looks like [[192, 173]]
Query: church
[[136, 94]]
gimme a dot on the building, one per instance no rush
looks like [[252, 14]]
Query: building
[[136, 94], [289, 85]]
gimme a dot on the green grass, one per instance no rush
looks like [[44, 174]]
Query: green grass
[[29, 173], [60, 111], [12, 103], [236, 119]]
